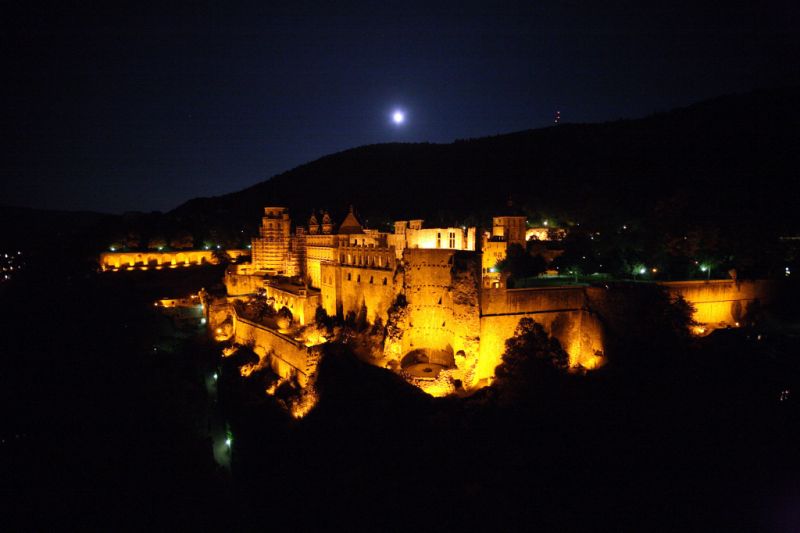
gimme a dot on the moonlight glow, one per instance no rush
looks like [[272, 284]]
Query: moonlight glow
[[398, 117]]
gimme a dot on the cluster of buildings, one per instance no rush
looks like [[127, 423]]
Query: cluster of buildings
[[331, 260], [446, 309], [443, 275]]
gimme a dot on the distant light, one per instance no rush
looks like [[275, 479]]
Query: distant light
[[216, 376], [642, 270], [160, 248], [228, 442], [398, 117], [703, 268], [218, 247], [203, 320], [545, 222], [655, 270], [112, 249], [249, 246]]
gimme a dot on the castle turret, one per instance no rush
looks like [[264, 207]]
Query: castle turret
[[327, 223], [313, 224]]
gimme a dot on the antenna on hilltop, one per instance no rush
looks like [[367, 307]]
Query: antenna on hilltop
[[557, 117]]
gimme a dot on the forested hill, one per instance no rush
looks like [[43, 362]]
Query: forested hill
[[724, 160]]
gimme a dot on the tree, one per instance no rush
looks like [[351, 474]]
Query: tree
[[182, 240], [221, 256], [531, 356], [133, 240], [156, 243], [521, 264]]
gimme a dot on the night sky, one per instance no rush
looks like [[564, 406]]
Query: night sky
[[142, 108]]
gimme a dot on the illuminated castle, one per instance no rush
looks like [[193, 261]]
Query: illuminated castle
[[445, 310]]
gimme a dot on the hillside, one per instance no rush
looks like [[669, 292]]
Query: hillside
[[725, 159]]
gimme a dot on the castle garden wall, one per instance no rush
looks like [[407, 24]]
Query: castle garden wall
[[288, 357], [561, 311], [720, 303]]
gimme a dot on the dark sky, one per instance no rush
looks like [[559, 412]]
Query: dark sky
[[141, 108]]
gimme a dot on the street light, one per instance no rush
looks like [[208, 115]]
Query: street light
[[707, 269]]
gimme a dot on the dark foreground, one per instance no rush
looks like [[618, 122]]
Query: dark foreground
[[106, 417]]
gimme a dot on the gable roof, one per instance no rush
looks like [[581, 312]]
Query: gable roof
[[350, 225]]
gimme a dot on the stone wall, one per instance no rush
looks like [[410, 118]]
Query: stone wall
[[347, 288], [721, 303], [561, 311], [288, 357], [440, 287], [242, 284], [173, 259], [300, 301]]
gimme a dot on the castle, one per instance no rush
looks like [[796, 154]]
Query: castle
[[444, 310], [430, 287]]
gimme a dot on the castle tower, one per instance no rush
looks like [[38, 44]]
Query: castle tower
[[271, 247]]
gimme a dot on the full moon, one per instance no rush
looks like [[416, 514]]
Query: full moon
[[398, 117]]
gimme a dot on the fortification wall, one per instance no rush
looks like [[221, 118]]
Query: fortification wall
[[370, 287], [560, 310], [288, 357], [720, 303], [153, 259], [242, 284], [302, 306]]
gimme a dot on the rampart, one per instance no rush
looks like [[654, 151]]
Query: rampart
[[115, 261], [561, 310], [721, 303], [288, 357], [242, 284]]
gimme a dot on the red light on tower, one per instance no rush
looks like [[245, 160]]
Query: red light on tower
[[557, 117]]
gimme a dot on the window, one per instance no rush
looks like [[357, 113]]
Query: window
[[371, 280], [438, 240], [384, 281], [358, 278], [452, 240], [349, 276]]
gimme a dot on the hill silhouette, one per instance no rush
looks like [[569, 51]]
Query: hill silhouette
[[722, 160]]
